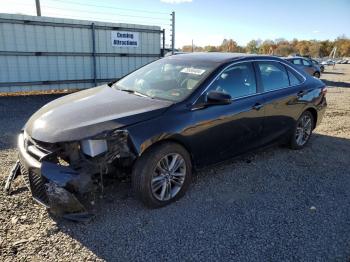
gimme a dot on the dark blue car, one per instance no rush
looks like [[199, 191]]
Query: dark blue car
[[164, 120]]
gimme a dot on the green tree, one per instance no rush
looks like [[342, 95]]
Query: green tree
[[281, 47], [314, 48], [252, 47], [211, 48], [284, 49], [343, 46], [267, 47], [229, 46], [303, 47], [325, 48]]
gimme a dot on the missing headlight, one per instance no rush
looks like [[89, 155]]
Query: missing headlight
[[93, 147]]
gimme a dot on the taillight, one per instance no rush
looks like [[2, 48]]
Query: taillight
[[324, 90]]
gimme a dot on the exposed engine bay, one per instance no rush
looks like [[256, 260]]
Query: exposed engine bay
[[60, 174]]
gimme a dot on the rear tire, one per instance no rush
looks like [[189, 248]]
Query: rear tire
[[302, 131], [317, 74], [162, 174]]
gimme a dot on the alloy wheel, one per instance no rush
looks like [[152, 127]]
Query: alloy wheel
[[303, 130], [168, 177]]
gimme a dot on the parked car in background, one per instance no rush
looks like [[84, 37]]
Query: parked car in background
[[175, 53], [306, 65], [328, 62], [167, 51], [315, 62], [162, 121]]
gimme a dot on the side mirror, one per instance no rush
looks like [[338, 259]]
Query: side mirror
[[218, 98]]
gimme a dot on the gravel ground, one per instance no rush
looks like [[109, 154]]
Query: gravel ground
[[271, 205]]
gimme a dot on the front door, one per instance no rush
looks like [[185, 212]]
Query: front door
[[222, 131]]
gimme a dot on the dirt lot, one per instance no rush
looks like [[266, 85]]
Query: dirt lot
[[275, 204]]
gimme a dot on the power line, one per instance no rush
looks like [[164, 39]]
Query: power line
[[59, 15], [109, 7], [74, 16], [46, 12], [70, 13], [102, 12]]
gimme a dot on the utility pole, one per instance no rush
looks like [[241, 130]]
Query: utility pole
[[163, 48], [192, 45], [38, 9], [173, 32]]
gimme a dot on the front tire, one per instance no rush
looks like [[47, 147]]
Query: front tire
[[302, 131], [162, 174], [317, 74]]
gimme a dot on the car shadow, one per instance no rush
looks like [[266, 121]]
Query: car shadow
[[332, 73], [19, 190], [336, 83], [232, 209]]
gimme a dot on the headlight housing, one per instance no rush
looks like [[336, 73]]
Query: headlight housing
[[93, 147]]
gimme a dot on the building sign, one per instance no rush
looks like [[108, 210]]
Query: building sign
[[125, 39]]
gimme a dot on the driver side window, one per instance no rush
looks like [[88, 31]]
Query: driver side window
[[237, 80]]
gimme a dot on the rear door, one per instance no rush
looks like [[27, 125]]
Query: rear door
[[308, 67], [281, 90]]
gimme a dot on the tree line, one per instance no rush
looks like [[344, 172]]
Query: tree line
[[280, 47]]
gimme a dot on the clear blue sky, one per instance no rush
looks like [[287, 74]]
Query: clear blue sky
[[209, 22]]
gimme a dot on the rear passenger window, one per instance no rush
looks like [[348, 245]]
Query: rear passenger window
[[273, 75], [293, 79]]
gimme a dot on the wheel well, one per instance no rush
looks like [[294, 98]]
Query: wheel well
[[314, 114], [171, 140]]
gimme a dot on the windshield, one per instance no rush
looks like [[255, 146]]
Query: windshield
[[166, 79]]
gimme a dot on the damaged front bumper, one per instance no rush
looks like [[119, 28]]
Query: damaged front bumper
[[59, 174], [51, 184]]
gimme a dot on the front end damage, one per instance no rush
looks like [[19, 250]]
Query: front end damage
[[59, 175]]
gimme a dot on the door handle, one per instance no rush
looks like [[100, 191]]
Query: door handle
[[300, 93], [257, 106]]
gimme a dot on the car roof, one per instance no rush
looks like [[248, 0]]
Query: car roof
[[216, 57], [295, 57]]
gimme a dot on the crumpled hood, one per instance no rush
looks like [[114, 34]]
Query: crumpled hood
[[90, 112]]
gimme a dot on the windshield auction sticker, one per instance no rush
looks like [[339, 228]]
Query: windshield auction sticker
[[125, 39], [193, 71]]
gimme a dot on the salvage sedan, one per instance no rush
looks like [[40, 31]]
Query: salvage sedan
[[163, 121]]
